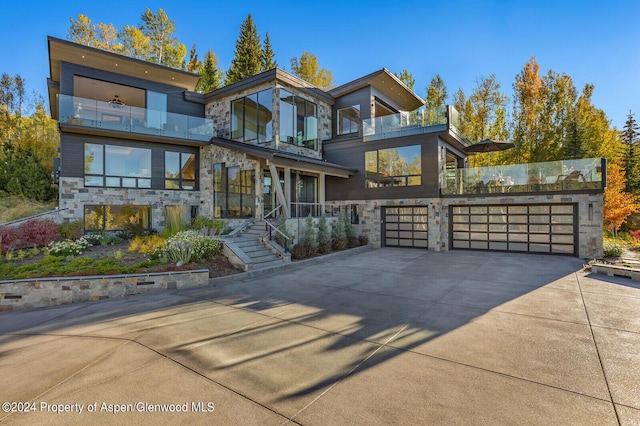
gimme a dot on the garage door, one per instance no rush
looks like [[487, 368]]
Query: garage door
[[405, 227], [539, 228]]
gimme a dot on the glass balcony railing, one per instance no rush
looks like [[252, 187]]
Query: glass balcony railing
[[552, 176], [406, 123], [105, 115]]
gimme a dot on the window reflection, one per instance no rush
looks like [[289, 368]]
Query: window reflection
[[348, 120], [298, 121], [117, 166], [393, 167], [252, 117]]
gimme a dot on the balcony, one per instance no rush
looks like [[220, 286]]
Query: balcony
[[129, 119], [552, 176], [411, 123]]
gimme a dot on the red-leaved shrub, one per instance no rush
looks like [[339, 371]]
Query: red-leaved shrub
[[10, 239], [635, 235], [38, 232]]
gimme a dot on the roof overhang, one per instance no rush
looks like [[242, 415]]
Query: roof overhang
[[386, 83], [74, 53], [285, 159], [274, 74]]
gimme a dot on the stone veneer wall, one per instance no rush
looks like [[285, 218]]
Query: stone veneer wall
[[220, 112], [74, 196], [589, 230], [211, 155], [41, 292]]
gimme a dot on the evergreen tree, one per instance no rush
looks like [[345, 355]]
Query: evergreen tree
[[309, 237], [324, 235], [22, 174], [630, 137], [339, 234], [307, 69], [268, 57], [248, 57], [210, 74]]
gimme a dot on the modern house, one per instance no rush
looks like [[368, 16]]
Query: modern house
[[137, 142]]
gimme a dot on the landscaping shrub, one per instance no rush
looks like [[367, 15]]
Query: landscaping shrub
[[363, 240], [280, 236], [39, 232], [613, 249], [324, 237], [340, 241], [298, 252], [187, 246], [309, 238], [68, 247], [208, 225], [174, 220], [635, 236], [71, 230], [10, 239], [145, 244]]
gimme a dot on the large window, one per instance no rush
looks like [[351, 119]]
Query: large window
[[348, 120], [116, 218], [252, 117], [233, 190], [298, 121], [179, 170], [393, 167], [117, 166]]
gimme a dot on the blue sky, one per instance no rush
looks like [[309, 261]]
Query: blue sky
[[594, 42]]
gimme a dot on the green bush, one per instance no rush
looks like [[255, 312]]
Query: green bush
[[613, 249], [324, 236], [208, 225], [71, 230]]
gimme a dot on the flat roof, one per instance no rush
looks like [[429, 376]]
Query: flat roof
[[285, 158]]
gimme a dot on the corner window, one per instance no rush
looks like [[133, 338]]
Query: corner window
[[117, 166], [252, 117], [348, 120], [393, 167], [179, 170], [298, 121]]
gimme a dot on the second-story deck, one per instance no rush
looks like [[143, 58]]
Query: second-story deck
[[411, 123], [110, 116], [587, 174]]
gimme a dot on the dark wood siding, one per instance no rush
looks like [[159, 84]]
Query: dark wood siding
[[361, 97], [175, 95], [351, 154], [72, 155]]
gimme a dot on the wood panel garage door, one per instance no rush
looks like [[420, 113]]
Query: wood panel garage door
[[539, 228], [405, 226]]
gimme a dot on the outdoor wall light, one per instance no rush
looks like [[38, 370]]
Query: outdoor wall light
[[590, 212]]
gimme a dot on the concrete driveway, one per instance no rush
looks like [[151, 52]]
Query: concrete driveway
[[387, 336]]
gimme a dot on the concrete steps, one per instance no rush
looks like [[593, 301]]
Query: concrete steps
[[261, 255]]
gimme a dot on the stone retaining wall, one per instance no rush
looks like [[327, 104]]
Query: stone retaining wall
[[41, 292]]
